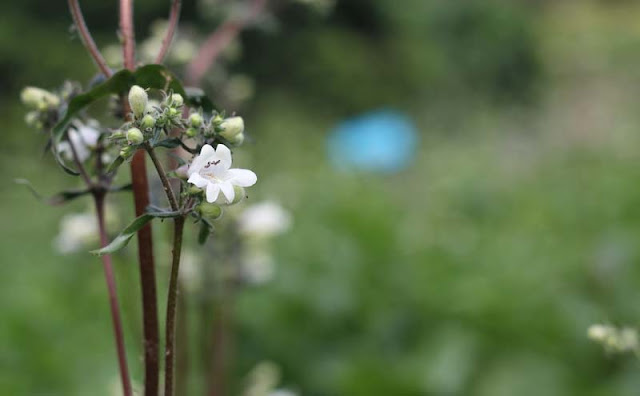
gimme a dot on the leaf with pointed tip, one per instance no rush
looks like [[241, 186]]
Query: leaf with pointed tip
[[57, 199], [125, 236]]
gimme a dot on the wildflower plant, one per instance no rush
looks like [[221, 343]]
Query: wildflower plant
[[155, 113]]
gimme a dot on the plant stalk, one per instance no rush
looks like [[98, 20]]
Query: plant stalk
[[174, 15], [87, 39], [140, 186], [113, 297]]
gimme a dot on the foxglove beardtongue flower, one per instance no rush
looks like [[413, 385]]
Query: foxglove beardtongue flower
[[83, 138], [211, 171]]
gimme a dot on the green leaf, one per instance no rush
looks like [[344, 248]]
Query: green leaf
[[125, 236], [115, 164], [174, 142], [57, 199], [205, 230]]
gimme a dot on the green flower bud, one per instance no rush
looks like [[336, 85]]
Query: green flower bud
[[191, 132], [39, 99], [138, 100], [209, 211], [117, 135], [127, 152], [237, 140], [176, 100], [33, 119], [241, 194], [134, 136], [195, 120], [148, 122], [232, 127], [173, 112], [193, 190]]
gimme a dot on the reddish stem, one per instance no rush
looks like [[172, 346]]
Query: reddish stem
[[113, 297], [140, 186], [218, 40], [126, 30], [174, 15], [92, 48]]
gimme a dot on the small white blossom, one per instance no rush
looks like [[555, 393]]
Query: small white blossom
[[264, 219], [76, 231], [211, 170], [84, 138]]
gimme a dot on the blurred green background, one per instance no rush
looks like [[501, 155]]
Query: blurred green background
[[475, 271]]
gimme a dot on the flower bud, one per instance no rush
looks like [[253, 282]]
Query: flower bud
[[240, 195], [39, 99], [117, 135], [195, 120], [148, 122], [181, 172], [173, 112], [209, 211], [191, 132], [193, 190], [134, 136], [237, 140], [138, 100], [127, 152], [176, 100], [33, 119], [232, 127]]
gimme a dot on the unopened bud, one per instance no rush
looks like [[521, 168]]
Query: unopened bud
[[237, 140], [39, 99], [195, 120], [138, 100], [181, 172], [127, 151], [209, 211], [148, 122], [176, 100], [191, 132], [117, 135], [231, 127], [173, 112], [193, 190], [134, 136], [33, 119]]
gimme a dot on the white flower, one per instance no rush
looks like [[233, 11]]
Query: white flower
[[76, 231], [264, 219], [211, 170], [83, 138]]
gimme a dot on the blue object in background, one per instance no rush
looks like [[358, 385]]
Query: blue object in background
[[380, 141]]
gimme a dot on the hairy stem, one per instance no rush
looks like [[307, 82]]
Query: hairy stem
[[174, 15], [170, 327], [87, 39], [218, 40], [113, 297]]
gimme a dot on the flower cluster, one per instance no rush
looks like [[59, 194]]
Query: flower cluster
[[613, 339]]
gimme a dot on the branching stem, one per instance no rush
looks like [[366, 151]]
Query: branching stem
[[174, 15], [87, 39]]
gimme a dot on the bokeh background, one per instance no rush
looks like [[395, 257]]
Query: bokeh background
[[473, 270]]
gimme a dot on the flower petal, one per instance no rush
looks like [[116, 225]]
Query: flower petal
[[205, 155], [228, 191], [242, 177], [198, 180], [224, 155], [213, 190]]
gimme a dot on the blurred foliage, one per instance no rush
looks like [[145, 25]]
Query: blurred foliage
[[475, 272]]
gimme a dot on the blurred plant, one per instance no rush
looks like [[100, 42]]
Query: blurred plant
[[615, 340], [156, 113]]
